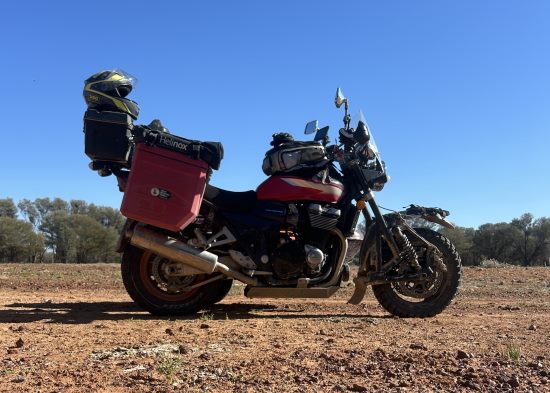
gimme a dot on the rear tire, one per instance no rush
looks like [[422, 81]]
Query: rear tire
[[218, 292], [389, 297], [148, 293]]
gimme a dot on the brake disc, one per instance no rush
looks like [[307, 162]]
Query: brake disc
[[424, 288], [419, 289]]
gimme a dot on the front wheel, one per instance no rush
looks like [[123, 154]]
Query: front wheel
[[432, 295], [147, 279]]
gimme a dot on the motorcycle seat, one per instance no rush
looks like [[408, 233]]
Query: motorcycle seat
[[230, 201]]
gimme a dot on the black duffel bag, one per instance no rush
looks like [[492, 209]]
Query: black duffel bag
[[209, 152]]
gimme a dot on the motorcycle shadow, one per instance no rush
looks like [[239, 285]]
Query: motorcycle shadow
[[273, 311], [70, 312], [87, 312]]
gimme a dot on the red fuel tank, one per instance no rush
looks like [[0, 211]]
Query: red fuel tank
[[290, 188]]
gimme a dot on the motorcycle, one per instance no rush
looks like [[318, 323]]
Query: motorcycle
[[185, 241]]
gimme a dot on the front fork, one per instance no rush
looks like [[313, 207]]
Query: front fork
[[381, 224], [373, 269]]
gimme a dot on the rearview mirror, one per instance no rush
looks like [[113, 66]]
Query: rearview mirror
[[340, 98], [311, 127], [321, 134]]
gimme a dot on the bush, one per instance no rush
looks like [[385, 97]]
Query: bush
[[492, 263]]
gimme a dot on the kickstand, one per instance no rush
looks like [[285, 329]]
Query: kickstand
[[359, 292]]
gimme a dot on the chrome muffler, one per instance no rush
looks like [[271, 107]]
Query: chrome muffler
[[175, 250]]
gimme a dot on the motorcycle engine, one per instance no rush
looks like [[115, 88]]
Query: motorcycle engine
[[288, 260], [294, 258]]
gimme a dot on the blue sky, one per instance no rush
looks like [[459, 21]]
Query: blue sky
[[457, 93]]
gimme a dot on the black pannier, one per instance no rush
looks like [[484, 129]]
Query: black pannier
[[294, 156], [209, 152], [107, 136]]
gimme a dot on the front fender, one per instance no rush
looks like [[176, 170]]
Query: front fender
[[438, 220], [432, 214]]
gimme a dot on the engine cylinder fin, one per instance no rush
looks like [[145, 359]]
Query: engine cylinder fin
[[323, 216], [322, 222]]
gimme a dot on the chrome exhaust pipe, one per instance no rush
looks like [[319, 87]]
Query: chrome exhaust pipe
[[175, 250]]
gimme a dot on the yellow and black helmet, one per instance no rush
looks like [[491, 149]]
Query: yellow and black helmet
[[107, 90]]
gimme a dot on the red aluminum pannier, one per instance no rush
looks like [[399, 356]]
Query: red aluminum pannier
[[165, 188]]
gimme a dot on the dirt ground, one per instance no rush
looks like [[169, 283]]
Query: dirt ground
[[72, 328]]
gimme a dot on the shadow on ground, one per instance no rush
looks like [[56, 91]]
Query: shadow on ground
[[86, 312]]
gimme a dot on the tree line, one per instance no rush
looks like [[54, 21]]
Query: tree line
[[54, 230], [523, 241]]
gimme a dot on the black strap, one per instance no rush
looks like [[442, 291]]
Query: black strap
[[209, 152]]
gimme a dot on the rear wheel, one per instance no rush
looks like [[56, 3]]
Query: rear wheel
[[432, 295], [148, 281], [219, 292]]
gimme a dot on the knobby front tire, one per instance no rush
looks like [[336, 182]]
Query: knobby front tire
[[390, 299]]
